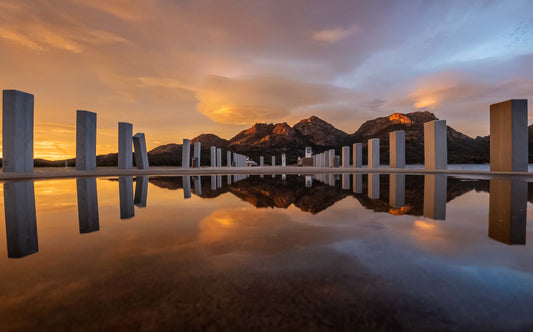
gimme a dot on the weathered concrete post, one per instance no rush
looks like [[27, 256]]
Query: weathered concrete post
[[213, 156], [283, 160], [508, 210], [228, 158], [331, 158], [141, 191], [17, 131], [435, 145], [88, 217], [21, 220], [186, 153], [261, 161], [186, 187], [235, 159], [141, 156], [435, 192], [326, 158], [345, 157], [219, 157], [85, 140], [125, 189], [397, 190], [357, 155], [397, 149], [373, 186], [373, 153], [273, 160], [125, 157], [197, 153], [509, 136]]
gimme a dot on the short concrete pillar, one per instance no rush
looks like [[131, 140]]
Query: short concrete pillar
[[186, 180], [326, 158], [17, 131], [345, 156], [125, 153], [197, 154], [88, 217], [141, 191], [283, 160], [331, 158], [357, 155], [397, 190], [85, 140], [125, 189], [21, 220], [435, 191], [186, 153], [373, 153], [198, 185], [273, 160], [228, 158], [261, 161], [357, 185], [508, 210], [141, 156], [509, 136], [435, 145], [373, 186], [219, 157], [213, 156], [397, 149]]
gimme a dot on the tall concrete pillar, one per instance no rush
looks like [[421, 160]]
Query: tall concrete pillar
[[228, 158], [197, 153], [219, 157], [186, 153], [509, 136], [125, 153], [141, 156], [141, 191], [21, 220], [17, 131], [357, 155], [435, 191], [213, 156], [186, 180], [373, 153], [261, 161], [345, 156], [125, 190], [373, 186], [397, 149], [357, 183], [88, 217], [283, 160], [508, 210], [198, 185], [85, 140], [435, 145], [326, 158], [397, 190], [331, 158], [273, 160]]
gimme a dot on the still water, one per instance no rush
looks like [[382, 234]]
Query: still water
[[316, 252]]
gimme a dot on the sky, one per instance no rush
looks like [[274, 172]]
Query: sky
[[177, 69]]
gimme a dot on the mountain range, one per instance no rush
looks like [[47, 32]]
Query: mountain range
[[264, 139]]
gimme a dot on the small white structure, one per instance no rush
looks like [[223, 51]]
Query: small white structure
[[373, 153], [85, 141], [308, 152], [228, 158], [283, 160], [261, 161], [331, 158], [186, 153], [141, 156], [357, 155], [397, 149], [273, 160], [435, 145], [125, 153]]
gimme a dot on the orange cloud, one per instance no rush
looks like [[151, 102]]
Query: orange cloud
[[333, 35]]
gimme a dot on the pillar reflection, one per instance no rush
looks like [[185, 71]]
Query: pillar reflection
[[508, 211], [141, 191], [198, 185], [397, 190], [357, 185], [345, 181], [435, 191], [373, 186], [186, 186], [88, 217], [125, 184], [21, 220]]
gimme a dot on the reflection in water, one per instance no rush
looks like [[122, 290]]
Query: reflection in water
[[508, 211], [357, 183], [186, 187], [397, 190], [125, 188], [228, 182], [219, 181], [88, 216], [198, 185], [213, 182], [308, 181], [141, 191], [346, 181], [331, 179], [21, 221], [373, 186], [435, 192]]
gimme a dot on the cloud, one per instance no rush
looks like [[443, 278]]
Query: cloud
[[333, 35]]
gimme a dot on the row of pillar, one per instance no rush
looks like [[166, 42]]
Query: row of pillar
[[232, 159]]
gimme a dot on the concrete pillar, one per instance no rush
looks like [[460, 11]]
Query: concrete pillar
[[85, 140], [373, 186], [219, 157], [283, 160], [186, 153], [273, 160], [331, 158], [509, 136], [357, 183], [17, 131], [261, 161], [186, 180], [435, 191], [435, 145], [326, 158], [141, 156], [345, 156], [228, 158], [141, 191], [397, 149], [197, 153], [508, 210], [213, 156], [125, 189], [397, 190], [88, 217], [235, 159], [357, 155], [373, 153], [345, 181], [198, 185], [125, 153], [21, 220]]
